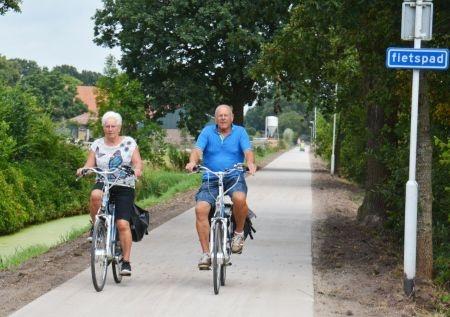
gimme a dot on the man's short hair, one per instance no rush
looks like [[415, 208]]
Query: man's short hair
[[223, 105]]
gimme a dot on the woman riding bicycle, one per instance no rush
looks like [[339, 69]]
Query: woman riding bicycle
[[222, 146], [113, 151]]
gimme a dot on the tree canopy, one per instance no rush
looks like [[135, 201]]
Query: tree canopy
[[54, 90], [191, 54], [6, 5]]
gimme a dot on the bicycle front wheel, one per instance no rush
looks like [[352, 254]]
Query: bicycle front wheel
[[217, 251], [117, 263], [99, 259]]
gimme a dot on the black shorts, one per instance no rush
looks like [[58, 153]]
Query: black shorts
[[123, 199]]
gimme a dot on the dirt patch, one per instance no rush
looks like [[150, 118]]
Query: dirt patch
[[357, 271], [37, 276]]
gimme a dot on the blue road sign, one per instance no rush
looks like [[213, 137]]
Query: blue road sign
[[417, 58]]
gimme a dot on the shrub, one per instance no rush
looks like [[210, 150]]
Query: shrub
[[178, 158]]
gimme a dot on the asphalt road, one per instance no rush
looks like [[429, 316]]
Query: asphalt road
[[272, 277]]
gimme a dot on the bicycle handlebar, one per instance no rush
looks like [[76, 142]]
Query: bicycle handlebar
[[237, 167], [104, 173]]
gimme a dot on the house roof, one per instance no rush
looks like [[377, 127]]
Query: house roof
[[87, 95], [82, 119]]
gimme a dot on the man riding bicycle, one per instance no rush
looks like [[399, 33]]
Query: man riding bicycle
[[222, 145]]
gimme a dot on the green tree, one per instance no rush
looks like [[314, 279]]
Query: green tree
[[117, 92], [194, 54], [88, 78], [294, 121], [256, 116], [26, 67], [9, 72], [6, 5], [55, 93]]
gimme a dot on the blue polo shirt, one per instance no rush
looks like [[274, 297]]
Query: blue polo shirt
[[220, 154]]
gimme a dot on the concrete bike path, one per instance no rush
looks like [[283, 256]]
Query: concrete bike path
[[273, 276]]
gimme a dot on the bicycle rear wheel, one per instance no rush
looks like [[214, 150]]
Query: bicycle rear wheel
[[217, 250], [99, 260], [227, 254]]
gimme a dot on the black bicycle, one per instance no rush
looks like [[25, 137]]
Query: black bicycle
[[221, 231], [105, 248]]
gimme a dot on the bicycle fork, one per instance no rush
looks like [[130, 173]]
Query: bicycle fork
[[110, 236]]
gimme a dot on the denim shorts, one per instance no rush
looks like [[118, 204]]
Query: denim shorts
[[210, 189]]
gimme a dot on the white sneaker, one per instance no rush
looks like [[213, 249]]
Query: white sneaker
[[91, 232], [237, 243], [205, 262]]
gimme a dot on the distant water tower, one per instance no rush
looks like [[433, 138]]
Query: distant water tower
[[271, 131]]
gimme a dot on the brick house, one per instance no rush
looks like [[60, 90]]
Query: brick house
[[79, 127]]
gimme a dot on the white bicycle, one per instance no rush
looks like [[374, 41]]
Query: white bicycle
[[105, 248], [221, 231]]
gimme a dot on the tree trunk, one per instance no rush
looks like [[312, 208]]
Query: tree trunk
[[372, 210], [424, 166], [238, 111]]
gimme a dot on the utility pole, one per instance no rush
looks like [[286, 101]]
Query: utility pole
[[334, 136], [315, 127]]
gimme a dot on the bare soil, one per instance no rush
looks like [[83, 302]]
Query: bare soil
[[356, 271]]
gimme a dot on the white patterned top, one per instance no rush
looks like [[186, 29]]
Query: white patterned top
[[109, 157]]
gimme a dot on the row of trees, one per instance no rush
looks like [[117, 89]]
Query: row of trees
[[343, 43], [54, 89], [36, 165]]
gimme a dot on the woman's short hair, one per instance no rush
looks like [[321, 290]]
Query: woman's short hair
[[112, 115]]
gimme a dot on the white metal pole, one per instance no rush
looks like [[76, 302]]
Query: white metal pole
[[315, 127], [334, 137], [334, 144], [411, 186]]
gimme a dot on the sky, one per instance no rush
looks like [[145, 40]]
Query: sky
[[54, 32]]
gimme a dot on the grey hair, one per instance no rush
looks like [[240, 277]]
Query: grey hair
[[223, 106], [112, 115]]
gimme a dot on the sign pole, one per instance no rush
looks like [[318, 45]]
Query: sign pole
[[411, 185]]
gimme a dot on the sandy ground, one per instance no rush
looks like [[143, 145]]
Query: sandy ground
[[357, 272]]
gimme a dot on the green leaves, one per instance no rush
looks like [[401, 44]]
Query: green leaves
[[6, 5], [190, 54]]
